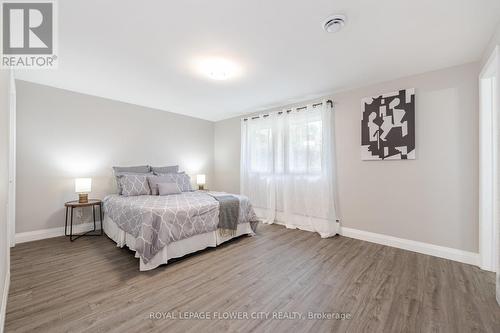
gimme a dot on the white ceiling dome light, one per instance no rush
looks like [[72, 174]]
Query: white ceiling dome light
[[334, 23], [218, 68]]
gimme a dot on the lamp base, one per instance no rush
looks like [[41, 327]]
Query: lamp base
[[201, 187], [83, 198]]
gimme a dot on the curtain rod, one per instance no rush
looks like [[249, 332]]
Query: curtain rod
[[290, 110]]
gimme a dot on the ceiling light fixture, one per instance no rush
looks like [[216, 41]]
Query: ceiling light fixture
[[334, 23], [218, 68]]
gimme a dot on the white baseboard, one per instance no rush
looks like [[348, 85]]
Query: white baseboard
[[466, 257], [3, 308], [30, 236]]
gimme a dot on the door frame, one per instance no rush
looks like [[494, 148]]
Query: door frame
[[11, 209], [489, 144]]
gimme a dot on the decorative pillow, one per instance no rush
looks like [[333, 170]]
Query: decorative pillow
[[182, 180], [168, 188], [134, 184], [141, 169], [165, 169], [154, 181]]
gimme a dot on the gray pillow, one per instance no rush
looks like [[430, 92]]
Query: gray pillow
[[182, 180], [141, 169], [133, 169], [168, 188], [134, 184], [154, 181], [165, 169]]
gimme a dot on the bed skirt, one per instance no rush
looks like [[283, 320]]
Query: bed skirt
[[173, 250]]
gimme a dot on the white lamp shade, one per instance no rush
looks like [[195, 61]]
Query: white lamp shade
[[83, 185], [200, 179]]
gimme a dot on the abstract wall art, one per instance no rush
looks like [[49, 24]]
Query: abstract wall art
[[388, 126]]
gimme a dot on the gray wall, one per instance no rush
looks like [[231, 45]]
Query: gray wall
[[4, 173], [227, 155], [62, 135], [432, 199]]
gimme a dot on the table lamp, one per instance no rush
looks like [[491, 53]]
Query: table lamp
[[200, 181], [83, 186]]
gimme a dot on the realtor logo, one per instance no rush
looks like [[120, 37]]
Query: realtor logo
[[28, 34]]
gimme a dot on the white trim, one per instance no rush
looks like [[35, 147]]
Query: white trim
[[486, 176], [11, 208], [3, 308], [488, 162], [30, 236], [466, 257]]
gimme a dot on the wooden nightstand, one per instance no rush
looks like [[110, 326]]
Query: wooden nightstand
[[70, 205]]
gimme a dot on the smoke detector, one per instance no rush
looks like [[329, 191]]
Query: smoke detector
[[334, 23]]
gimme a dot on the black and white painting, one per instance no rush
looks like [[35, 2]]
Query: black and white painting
[[388, 126]]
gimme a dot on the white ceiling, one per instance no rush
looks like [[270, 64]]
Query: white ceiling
[[142, 52]]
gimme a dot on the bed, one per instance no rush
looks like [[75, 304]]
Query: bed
[[159, 228]]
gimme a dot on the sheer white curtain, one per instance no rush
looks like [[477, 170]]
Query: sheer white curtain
[[287, 168]]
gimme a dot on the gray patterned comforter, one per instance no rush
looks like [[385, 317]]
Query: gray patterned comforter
[[156, 221]]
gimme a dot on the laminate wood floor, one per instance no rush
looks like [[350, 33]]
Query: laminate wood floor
[[90, 285]]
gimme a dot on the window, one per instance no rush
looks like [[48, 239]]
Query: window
[[293, 146], [304, 146], [287, 167], [261, 150]]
